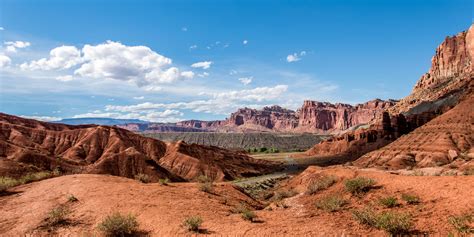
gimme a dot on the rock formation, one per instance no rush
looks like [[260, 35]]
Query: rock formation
[[447, 139], [29, 145], [448, 82], [313, 116]]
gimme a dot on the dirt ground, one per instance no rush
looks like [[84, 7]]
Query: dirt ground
[[160, 210]]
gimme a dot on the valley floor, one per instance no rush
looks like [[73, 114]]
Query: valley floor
[[161, 209]]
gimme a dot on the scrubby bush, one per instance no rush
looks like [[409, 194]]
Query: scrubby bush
[[331, 203], [144, 178], [284, 194], [118, 225], [205, 184], [393, 223], [246, 213], [192, 223], [359, 185], [462, 223], [7, 182], [389, 201], [366, 216], [57, 216], [320, 184], [164, 181], [410, 199]]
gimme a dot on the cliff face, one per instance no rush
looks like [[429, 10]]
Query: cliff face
[[448, 82], [28, 145], [319, 116], [313, 116], [451, 69]]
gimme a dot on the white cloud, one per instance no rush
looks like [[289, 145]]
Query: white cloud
[[203, 65], [139, 97], [233, 72], [246, 80], [219, 103], [184, 29], [295, 57], [65, 78], [167, 116], [245, 42], [42, 118], [4, 61], [13, 45], [1, 28], [62, 57], [193, 46], [113, 60]]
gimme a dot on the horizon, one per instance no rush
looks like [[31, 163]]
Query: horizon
[[168, 62]]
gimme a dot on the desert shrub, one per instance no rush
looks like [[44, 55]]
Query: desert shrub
[[394, 223], [192, 223], [28, 178], [205, 184], [118, 225], [389, 201], [410, 199], [262, 149], [246, 213], [7, 182], [469, 171], [359, 185], [320, 184], [57, 216], [72, 198], [331, 203], [144, 178], [365, 216], [164, 181], [391, 222], [462, 223], [284, 194]]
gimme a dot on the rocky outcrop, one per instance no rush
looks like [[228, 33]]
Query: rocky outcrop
[[320, 116], [447, 139], [451, 67], [27, 144], [447, 83]]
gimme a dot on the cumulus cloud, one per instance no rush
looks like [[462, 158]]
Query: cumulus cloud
[[65, 78], [42, 118], [193, 46], [13, 45], [295, 57], [219, 103], [203, 65], [139, 97], [246, 80], [113, 60], [1, 28], [245, 42], [62, 57], [5, 61]]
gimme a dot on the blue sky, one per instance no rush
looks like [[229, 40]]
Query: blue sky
[[174, 60]]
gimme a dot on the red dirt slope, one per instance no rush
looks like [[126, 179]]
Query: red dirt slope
[[29, 145], [447, 139]]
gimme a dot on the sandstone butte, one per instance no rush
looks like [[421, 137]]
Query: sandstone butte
[[420, 140]]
